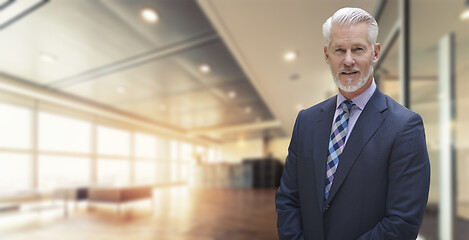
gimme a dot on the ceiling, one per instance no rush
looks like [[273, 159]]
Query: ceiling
[[103, 51]]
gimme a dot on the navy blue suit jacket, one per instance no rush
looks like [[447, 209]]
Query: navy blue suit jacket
[[380, 188]]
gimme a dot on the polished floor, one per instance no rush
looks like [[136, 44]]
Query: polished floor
[[177, 213]]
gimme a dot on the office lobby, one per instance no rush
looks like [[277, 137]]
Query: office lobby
[[171, 119]]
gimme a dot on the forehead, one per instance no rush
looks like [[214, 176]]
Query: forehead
[[351, 34]]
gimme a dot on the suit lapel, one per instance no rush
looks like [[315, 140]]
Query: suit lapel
[[365, 127], [321, 135]]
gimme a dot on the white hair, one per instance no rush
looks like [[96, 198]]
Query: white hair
[[349, 16]]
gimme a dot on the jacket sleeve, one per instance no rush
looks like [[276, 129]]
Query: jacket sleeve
[[289, 224], [408, 185]]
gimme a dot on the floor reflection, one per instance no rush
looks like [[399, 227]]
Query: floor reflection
[[177, 213]]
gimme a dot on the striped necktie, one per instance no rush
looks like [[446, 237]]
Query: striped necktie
[[337, 143]]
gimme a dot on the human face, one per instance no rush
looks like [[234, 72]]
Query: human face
[[350, 56]]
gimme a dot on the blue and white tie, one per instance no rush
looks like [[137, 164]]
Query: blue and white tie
[[337, 143]]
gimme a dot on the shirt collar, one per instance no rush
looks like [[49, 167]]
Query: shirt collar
[[361, 100]]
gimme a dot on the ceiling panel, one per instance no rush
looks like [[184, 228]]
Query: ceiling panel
[[216, 55], [237, 92], [145, 82], [172, 109], [78, 34], [179, 20]]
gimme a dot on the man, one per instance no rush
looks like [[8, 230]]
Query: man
[[357, 164]]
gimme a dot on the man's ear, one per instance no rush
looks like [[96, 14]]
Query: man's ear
[[326, 55], [376, 52]]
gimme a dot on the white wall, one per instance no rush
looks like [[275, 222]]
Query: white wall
[[278, 148], [235, 152]]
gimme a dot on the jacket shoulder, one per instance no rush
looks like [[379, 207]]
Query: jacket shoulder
[[398, 110]]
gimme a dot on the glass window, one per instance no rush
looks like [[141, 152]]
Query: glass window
[[112, 141], [145, 172], [60, 133], [15, 126], [163, 172], [184, 170], [175, 172], [187, 153], [145, 146], [113, 172], [212, 155], [174, 146], [201, 154], [163, 146], [15, 172], [63, 171]]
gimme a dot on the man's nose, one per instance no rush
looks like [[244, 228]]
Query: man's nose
[[349, 59]]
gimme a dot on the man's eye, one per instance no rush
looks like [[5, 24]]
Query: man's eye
[[358, 49], [339, 50]]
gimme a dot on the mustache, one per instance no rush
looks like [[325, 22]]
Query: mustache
[[349, 69]]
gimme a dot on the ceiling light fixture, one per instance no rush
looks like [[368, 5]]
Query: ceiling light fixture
[[149, 15], [231, 94], [290, 56], [465, 14], [205, 68], [121, 90], [241, 142], [47, 57]]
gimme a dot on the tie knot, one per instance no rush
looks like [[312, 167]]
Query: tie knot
[[347, 105]]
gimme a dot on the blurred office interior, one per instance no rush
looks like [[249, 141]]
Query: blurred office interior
[[171, 119]]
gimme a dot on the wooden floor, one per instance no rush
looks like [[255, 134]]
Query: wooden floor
[[177, 214]]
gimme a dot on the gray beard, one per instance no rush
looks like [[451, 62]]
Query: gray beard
[[352, 88]]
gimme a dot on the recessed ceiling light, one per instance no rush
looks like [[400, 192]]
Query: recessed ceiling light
[[205, 68], [241, 142], [231, 94], [149, 15], [294, 77], [465, 14], [121, 89], [47, 57], [290, 56], [247, 109]]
